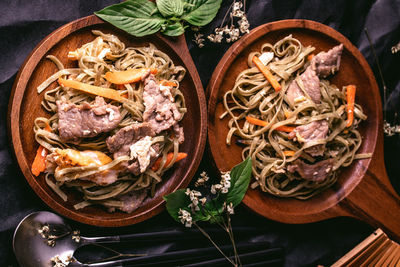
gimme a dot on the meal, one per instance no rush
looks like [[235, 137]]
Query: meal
[[298, 128], [115, 123]]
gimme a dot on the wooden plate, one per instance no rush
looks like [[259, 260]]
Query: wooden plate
[[24, 107], [360, 192]]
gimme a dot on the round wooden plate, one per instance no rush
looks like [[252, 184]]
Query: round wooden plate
[[361, 188], [24, 107]]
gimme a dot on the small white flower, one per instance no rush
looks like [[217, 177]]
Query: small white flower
[[229, 208], [185, 217], [244, 25], [202, 179], [194, 198], [199, 39], [203, 201]]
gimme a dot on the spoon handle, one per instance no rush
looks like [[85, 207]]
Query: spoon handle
[[182, 257]]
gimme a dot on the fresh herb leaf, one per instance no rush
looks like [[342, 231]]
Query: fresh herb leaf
[[179, 200], [202, 12], [169, 8], [175, 201], [240, 179], [215, 208], [173, 29], [137, 17]]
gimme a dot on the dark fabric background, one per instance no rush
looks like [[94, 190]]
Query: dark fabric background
[[23, 23]]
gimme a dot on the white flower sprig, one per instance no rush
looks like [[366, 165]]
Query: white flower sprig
[[231, 31], [194, 198], [190, 206], [202, 179], [185, 217], [224, 184]]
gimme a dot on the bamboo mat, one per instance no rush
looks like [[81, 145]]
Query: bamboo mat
[[376, 250]]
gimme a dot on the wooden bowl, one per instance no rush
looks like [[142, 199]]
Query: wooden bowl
[[363, 189], [24, 107]]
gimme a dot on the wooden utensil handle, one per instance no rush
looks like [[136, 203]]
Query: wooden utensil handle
[[375, 202]]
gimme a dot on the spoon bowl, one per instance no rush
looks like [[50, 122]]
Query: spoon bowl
[[31, 249]]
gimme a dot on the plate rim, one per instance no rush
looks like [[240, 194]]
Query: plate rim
[[14, 111], [220, 71]]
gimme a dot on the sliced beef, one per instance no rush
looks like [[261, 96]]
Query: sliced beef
[[86, 120], [178, 130], [312, 131], [160, 112], [316, 172], [310, 81], [131, 201], [327, 63], [120, 144], [322, 65]]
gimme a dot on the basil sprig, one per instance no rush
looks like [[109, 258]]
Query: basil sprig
[[212, 211], [143, 17]]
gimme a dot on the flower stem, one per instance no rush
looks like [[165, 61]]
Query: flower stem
[[215, 245], [231, 236]]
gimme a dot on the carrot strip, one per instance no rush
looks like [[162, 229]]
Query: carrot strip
[[127, 76], [168, 83], [39, 163], [350, 96], [255, 121], [47, 128], [91, 89], [157, 164], [262, 123], [267, 73], [285, 128], [289, 153], [310, 56]]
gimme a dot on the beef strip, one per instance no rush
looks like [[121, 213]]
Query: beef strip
[[121, 142], [86, 120], [316, 172], [310, 82], [326, 63], [131, 201], [160, 112], [312, 131], [322, 65]]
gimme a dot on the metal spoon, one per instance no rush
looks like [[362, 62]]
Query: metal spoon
[[33, 245]]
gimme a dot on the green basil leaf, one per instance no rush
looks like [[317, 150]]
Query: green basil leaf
[[179, 200], [240, 179], [215, 208], [137, 17], [169, 8], [175, 201], [174, 29], [201, 12]]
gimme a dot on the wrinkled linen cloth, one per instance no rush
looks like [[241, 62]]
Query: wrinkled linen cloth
[[24, 23]]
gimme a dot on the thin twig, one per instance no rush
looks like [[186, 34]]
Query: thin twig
[[214, 244], [117, 256], [226, 14], [233, 239]]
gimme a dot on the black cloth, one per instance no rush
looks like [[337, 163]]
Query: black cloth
[[24, 23]]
